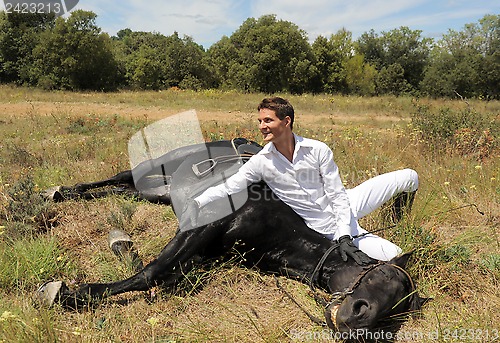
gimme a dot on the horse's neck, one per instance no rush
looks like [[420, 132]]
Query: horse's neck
[[338, 275]]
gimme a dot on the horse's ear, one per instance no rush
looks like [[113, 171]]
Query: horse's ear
[[401, 260], [423, 301], [418, 302]]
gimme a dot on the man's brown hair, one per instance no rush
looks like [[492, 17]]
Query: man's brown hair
[[280, 106]]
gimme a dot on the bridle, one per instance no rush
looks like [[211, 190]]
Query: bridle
[[337, 298], [331, 307]]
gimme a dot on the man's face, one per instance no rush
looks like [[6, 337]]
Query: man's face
[[272, 127]]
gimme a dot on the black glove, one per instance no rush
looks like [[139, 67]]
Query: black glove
[[348, 249], [189, 216]]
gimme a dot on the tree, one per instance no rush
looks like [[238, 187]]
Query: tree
[[155, 61], [219, 56], [408, 49], [141, 58], [340, 69], [331, 58], [75, 55], [266, 55], [403, 47], [490, 68], [186, 64], [19, 35], [370, 45], [144, 70], [466, 62], [391, 80], [360, 76]]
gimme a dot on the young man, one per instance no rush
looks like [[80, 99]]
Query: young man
[[303, 174]]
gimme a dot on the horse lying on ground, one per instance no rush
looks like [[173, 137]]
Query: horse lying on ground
[[270, 236]]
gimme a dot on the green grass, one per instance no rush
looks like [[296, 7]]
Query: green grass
[[26, 262], [54, 138]]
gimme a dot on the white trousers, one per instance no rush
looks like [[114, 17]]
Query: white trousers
[[369, 196]]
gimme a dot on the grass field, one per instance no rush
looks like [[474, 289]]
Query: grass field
[[56, 138]]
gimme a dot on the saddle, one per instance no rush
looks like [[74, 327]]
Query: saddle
[[210, 167], [188, 171]]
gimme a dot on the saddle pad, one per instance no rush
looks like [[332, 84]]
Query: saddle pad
[[195, 175], [155, 176]]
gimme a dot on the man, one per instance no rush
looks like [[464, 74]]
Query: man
[[303, 174]]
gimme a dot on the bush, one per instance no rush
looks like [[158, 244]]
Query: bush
[[491, 263], [27, 212], [467, 132]]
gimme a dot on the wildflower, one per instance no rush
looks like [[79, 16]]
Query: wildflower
[[6, 315], [153, 321], [473, 187], [493, 178], [77, 331], [447, 183], [478, 167]]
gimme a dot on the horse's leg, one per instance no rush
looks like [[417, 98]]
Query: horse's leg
[[79, 190], [122, 178], [123, 247], [123, 183], [177, 258]]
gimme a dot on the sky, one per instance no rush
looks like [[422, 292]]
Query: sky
[[206, 21]]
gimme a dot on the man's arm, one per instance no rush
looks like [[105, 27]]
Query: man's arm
[[335, 191], [234, 184]]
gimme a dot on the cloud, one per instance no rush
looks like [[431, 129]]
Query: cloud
[[204, 20], [323, 17], [208, 20]]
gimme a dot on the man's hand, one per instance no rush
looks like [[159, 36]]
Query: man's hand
[[189, 216], [348, 249]]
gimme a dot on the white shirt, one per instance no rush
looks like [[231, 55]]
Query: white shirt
[[310, 184]]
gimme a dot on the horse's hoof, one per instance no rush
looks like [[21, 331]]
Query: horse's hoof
[[116, 236], [47, 293], [121, 244], [53, 194]]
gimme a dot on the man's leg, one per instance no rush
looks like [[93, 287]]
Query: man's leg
[[374, 246], [377, 247], [369, 196], [376, 191]]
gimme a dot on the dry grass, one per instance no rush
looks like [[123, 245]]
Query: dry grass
[[64, 138]]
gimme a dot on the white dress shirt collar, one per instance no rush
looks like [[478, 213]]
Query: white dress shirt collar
[[299, 143]]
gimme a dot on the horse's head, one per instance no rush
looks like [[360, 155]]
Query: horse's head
[[379, 294]]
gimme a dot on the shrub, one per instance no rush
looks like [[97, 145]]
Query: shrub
[[27, 212], [466, 132]]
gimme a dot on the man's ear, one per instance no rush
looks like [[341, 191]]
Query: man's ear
[[288, 121]]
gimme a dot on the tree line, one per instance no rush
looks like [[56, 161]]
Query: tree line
[[263, 55]]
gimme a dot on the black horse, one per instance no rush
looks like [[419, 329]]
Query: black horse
[[270, 236]]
